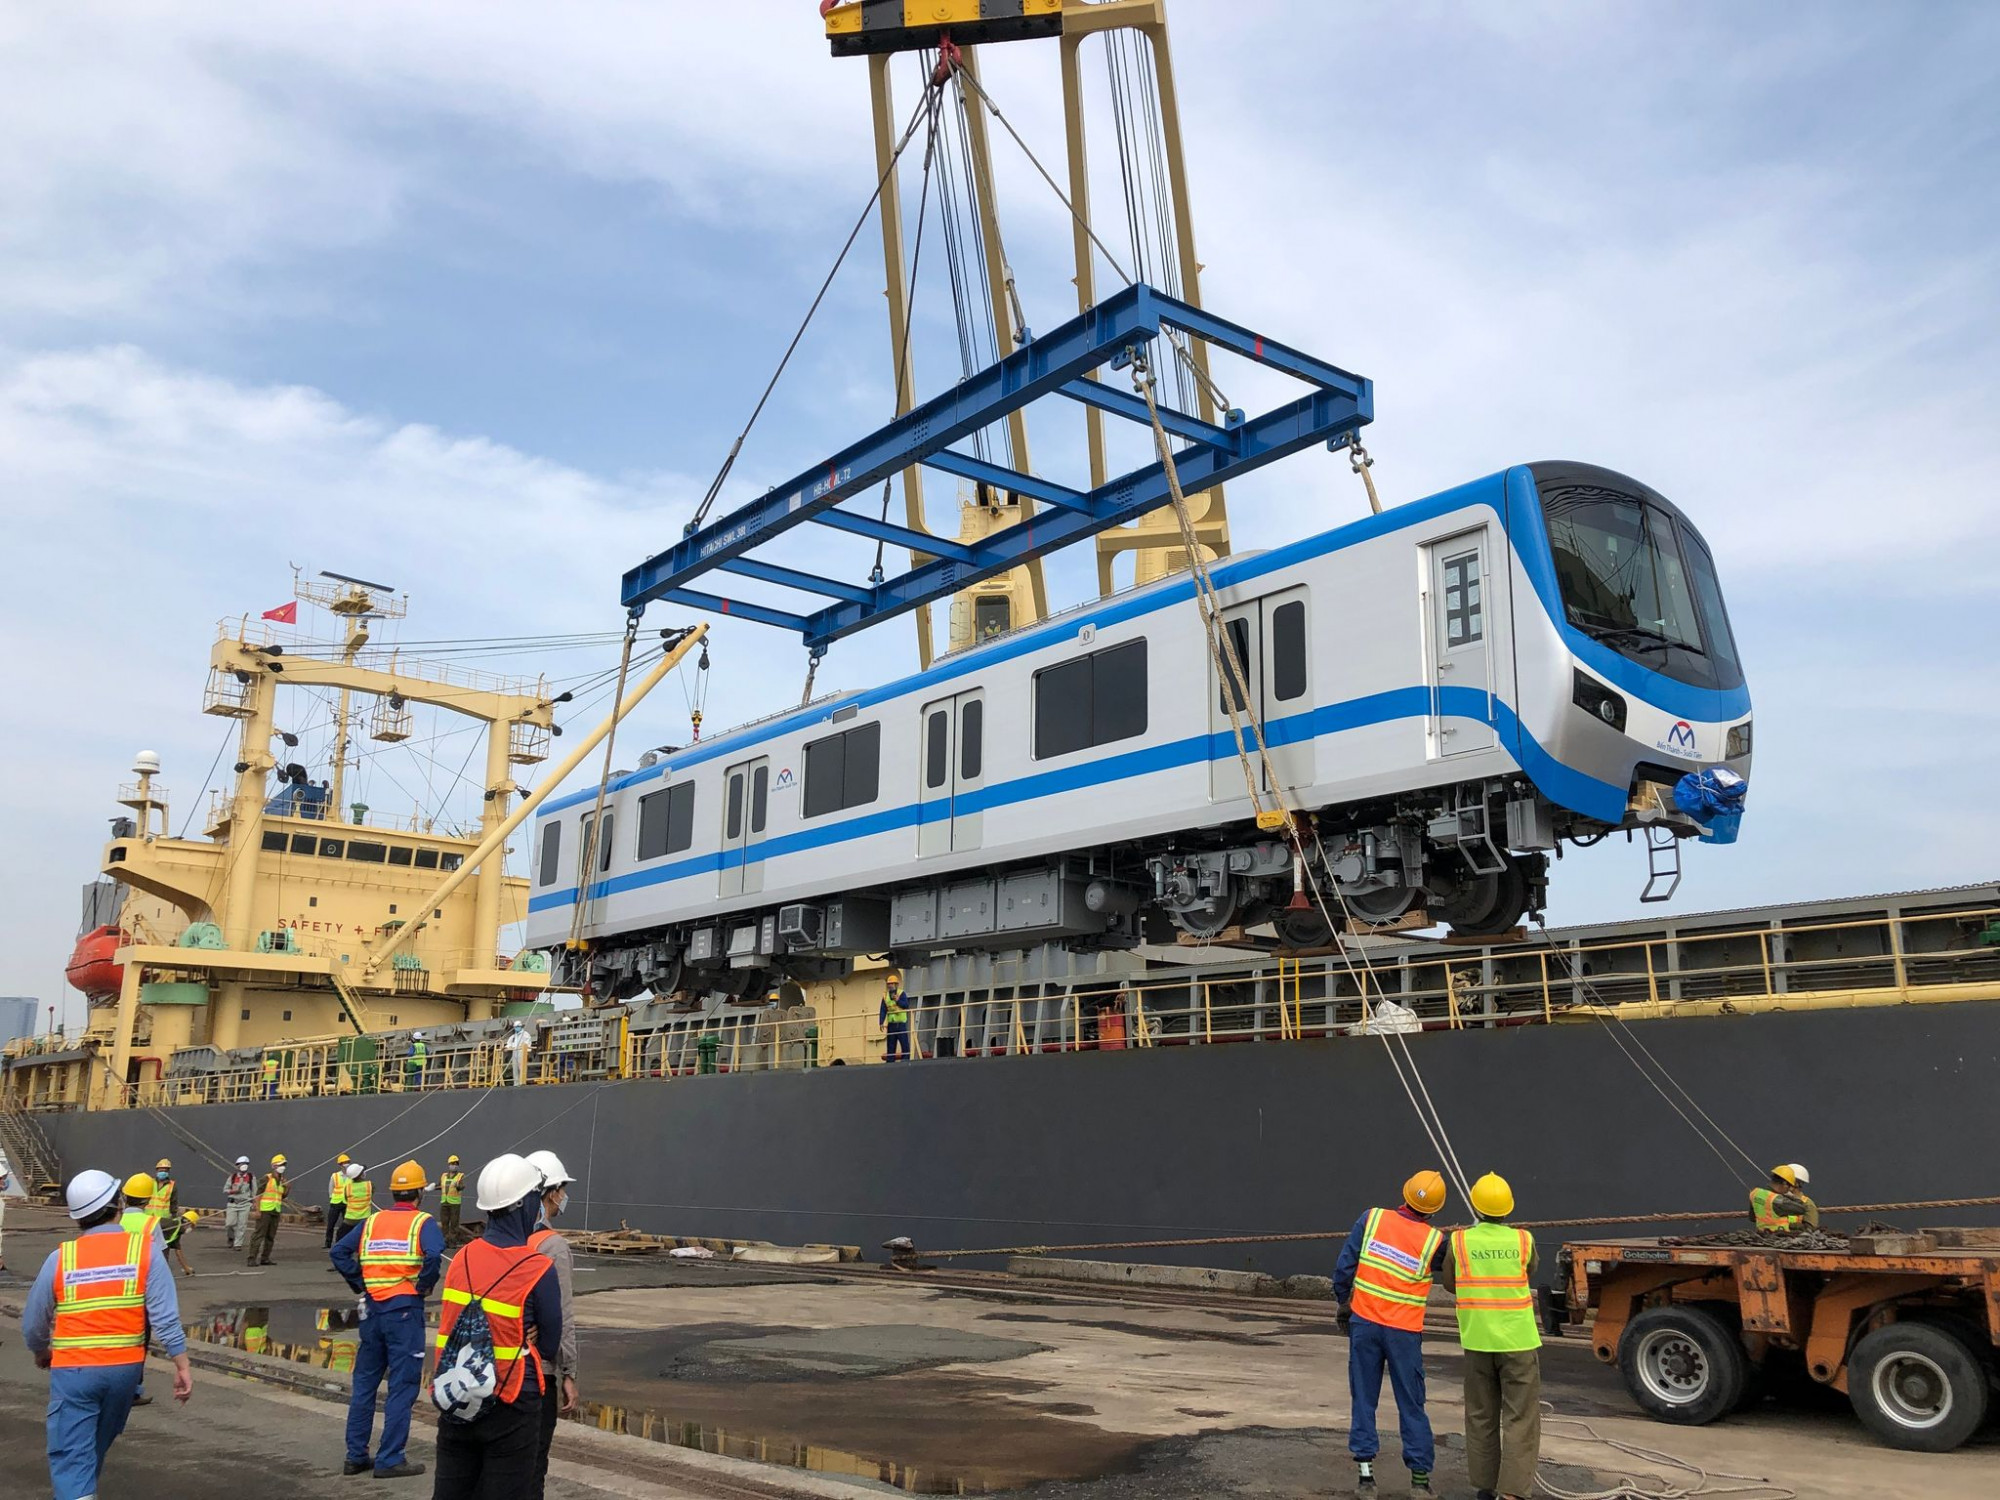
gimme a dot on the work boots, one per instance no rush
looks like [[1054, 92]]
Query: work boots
[[1364, 1476], [1420, 1482]]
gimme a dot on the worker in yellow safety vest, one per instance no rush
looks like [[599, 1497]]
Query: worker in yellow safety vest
[[1382, 1281], [451, 1197], [1783, 1207], [392, 1258], [336, 1200], [164, 1204], [270, 1075], [270, 1204], [360, 1200], [895, 1019], [1491, 1269]]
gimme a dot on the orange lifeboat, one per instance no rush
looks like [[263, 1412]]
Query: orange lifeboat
[[93, 962]]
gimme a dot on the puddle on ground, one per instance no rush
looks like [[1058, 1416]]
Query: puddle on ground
[[304, 1332]]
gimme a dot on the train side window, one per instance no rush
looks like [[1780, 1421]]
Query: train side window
[[971, 723], [666, 821], [760, 795], [551, 851], [1238, 633], [1288, 650], [1464, 619], [1091, 701], [732, 819], [843, 770], [583, 844], [937, 747]]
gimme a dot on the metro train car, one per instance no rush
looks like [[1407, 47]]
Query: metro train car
[[1449, 690]]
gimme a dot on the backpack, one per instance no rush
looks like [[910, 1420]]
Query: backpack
[[467, 1376]]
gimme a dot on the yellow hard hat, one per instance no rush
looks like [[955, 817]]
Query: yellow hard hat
[[140, 1185], [1784, 1172], [407, 1178], [452, 1160], [1424, 1192], [892, 977], [192, 1217], [1491, 1197], [278, 1160], [163, 1165], [340, 1160]]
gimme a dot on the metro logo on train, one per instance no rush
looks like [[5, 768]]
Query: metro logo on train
[[1448, 691]]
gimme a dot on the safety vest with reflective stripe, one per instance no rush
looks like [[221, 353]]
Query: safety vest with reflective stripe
[[270, 1069], [451, 1187], [161, 1204], [392, 1252], [100, 1297], [507, 1274], [894, 1012], [272, 1198], [336, 1189], [137, 1220], [360, 1200], [1762, 1201], [1393, 1281], [1496, 1305]]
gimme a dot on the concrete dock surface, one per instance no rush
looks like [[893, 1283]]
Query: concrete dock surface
[[713, 1379]]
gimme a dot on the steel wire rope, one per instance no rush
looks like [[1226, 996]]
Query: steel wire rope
[[954, 255], [729, 461], [579, 914], [228, 734]]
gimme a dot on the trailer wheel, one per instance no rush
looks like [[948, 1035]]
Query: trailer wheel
[[1682, 1364], [1917, 1387]]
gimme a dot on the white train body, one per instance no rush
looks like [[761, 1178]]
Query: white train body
[[1425, 689]]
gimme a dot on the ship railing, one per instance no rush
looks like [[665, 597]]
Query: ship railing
[[384, 658]]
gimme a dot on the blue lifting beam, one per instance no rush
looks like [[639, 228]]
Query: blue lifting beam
[[1335, 406]]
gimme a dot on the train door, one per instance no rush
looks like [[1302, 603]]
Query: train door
[[746, 805], [952, 765], [1271, 639], [1457, 615]]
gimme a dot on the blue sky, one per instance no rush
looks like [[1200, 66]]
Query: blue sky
[[473, 297]]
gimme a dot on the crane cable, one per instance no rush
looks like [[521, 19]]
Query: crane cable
[[588, 868]]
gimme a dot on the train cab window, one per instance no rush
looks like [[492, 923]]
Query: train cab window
[[1288, 650], [732, 819], [843, 770], [1464, 616], [551, 862], [1093, 700], [666, 821], [937, 748], [971, 729], [760, 797]]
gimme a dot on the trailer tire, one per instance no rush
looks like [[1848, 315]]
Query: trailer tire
[[1917, 1387], [1683, 1364]]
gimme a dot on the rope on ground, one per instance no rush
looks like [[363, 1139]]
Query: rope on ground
[[1702, 1482]]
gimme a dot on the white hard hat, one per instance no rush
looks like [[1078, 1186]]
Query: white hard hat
[[505, 1181], [416, 1036], [354, 1169], [242, 1161], [1800, 1174], [89, 1191], [554, 1173]]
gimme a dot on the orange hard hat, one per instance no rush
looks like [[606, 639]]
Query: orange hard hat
[[1425, 1192], [408, 1178]]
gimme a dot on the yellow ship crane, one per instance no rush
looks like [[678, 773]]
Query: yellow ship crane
[[1160, 250]]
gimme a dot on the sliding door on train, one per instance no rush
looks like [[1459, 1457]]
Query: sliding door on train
[[1458, 621], [746, 802], [951, 768], [1271, 639]]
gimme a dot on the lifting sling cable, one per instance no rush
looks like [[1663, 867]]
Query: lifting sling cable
[[1229, 672], [588, 869]]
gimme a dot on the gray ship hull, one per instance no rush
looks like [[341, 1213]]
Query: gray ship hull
[[1885, 1104]]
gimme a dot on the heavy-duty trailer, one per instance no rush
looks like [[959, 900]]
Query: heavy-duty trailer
[[1907, 1326]]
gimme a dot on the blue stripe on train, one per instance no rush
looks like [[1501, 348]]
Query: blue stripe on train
[[1561, 783]]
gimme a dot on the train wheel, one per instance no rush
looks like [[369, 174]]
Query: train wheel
[[1503, 898], [1682, 1364], [1917, 1387], [1384, 905], [1302, 929]]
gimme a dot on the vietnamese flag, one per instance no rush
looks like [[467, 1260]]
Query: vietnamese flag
[[284, 614]]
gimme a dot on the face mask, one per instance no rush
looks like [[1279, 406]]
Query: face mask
[[561, 1203]]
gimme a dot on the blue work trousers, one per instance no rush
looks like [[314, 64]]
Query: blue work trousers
[[392, 1343], [1371, 1348], [899, 1041], [88, 1406]]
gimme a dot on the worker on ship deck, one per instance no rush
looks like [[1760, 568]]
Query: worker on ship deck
[[894, 1017], [1382, 1281], [1783, 1207], [95, 1302], [392, 1259], [1491, 1270]]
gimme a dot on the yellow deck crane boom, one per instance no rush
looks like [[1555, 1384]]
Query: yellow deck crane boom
[[1162, 249]]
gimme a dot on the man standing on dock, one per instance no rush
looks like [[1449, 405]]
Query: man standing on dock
[[336, 1200], [1492, 1268], [560, 1397], [1382, 1281], [270, 1205], [393, 1259], [1783, 1207], [239, 1192], [451, 1197], [86, 1321], [895, 1019]]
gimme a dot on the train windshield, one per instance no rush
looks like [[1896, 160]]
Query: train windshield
[[1636, 576]]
